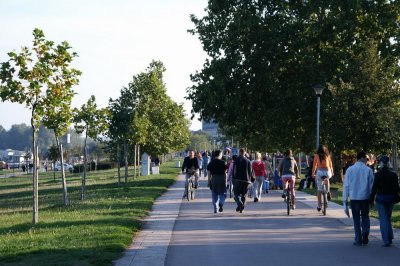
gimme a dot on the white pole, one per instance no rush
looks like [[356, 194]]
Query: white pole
[[318, 109]]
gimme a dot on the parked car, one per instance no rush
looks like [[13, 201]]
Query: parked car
[[67, 167], [3, 165], [13, 165]]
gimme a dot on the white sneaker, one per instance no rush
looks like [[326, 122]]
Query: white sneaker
[[293, 207]]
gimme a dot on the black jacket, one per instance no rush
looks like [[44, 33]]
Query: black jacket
[[189, 163], [386, 183], [242, 169]]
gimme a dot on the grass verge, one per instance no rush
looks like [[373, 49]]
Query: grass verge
[[93, 231]]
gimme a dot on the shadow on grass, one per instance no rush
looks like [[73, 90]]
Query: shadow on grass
[[70, 256]]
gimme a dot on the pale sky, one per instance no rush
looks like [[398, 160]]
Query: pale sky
[[114, 39]]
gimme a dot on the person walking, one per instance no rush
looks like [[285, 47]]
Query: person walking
[[260, 173], [217, 181], [357, 186], [205, 161], [200, 162], [288, 170], [386, 189], [242, 180], [322, 167]]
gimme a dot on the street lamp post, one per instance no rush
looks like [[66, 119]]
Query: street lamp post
[[318, 88]]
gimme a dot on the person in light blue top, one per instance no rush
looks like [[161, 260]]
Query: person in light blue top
[[358, 186], [205, 162]]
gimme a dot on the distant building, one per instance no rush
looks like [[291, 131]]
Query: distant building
[[210, 128], [13, 156]]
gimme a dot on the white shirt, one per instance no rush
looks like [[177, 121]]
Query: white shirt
[[358, 182]]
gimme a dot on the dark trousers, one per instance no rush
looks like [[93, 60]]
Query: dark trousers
[[240, 190], [310, 181], [360, 209]]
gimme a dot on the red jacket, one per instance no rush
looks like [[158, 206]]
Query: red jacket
[[259, 168]]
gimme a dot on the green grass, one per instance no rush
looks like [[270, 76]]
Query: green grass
[[336, 192], [93, 231]]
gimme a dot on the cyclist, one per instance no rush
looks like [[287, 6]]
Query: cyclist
[[190, 163], [322, 166], [288, 170]]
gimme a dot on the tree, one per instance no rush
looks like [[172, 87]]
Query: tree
[[145, 116], [198, 141], [28, 78], [53, 154], [57, 113], [159, 123], [265, 55], [92, 121]]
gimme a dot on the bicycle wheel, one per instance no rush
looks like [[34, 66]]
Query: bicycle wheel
[[288, 201], [192, 191], [189, 188]]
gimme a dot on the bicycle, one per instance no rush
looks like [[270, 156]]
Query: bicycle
[[324, 195], [288, 200], [189, 188], [288, 197]]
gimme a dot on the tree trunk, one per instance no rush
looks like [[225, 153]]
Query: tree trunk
[[126, 161], [35, 179], [135, 161], [84, 168], [63, 179], [139, 163], [118, 165], [337, 167]]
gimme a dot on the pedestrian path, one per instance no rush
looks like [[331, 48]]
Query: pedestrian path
[[181, 233]]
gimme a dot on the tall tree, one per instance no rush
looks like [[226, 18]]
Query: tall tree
[[28, 78], [92, 121], [159, 123], [265, 55]]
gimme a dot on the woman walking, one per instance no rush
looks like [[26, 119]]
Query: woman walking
[[386, 188], [261, 174], [322, 166]]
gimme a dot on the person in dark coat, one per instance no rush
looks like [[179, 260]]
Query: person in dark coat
[[217, 181], [242, 179], [385, 191]]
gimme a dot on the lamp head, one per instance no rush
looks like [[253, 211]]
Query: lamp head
[[318, 88]]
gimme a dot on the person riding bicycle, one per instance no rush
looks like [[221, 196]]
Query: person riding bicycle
[[322, 166], [288, 171], [191, 166]]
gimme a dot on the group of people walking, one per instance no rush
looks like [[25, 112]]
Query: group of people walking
[[364, 190], [360, 185]]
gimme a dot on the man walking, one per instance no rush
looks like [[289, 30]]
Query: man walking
[[242, 179], [357, 186], [217, 181]]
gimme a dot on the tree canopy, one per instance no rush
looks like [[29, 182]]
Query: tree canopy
[[264, 57]]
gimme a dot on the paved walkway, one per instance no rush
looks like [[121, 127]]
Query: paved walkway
[[178, 232]]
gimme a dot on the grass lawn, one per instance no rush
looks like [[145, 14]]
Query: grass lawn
[[93, 231], [336, 191]]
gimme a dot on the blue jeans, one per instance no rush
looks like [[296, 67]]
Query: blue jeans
[[257, 186], [385, 221], [218, 199], [360, 208]]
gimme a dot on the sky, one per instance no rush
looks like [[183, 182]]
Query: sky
[[115, 40]]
